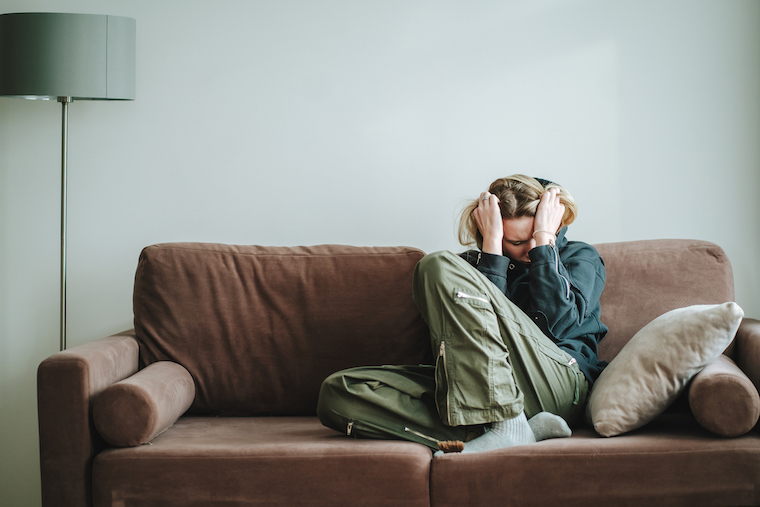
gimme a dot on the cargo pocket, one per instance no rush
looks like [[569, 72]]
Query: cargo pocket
[[442, 385], [481, 384], [568, 364]]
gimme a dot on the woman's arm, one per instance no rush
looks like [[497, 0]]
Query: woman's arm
[[548, 218], [492, 262], [566, 290], [562, 288], [488, 218]]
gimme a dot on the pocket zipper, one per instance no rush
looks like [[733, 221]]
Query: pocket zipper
[[442, 357], [463, 295]]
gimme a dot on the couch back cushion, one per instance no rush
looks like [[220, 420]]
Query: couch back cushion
[[648, 278], [259, 328]]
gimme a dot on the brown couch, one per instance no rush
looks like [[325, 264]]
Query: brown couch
[[257, 329]]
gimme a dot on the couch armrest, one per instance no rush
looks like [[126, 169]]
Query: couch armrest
[[747, 351], [66, 383]]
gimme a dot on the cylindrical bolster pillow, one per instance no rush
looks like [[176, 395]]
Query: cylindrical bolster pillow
[[135, 410], [723, 399]]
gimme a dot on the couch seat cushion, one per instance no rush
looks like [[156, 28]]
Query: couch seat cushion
[[264, 461], [672, 461]]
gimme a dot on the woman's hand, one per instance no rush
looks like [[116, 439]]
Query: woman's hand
[[488, 218], [548, 217]]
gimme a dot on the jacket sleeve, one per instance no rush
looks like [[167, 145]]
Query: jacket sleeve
[[494, 267], [564, 291]]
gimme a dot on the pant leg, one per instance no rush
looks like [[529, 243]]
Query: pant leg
[[549, 378], [493, 361], [380, 401]]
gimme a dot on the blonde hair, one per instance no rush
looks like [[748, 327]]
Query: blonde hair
[[519, 196]]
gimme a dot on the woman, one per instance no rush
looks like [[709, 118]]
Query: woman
[[514, 326]]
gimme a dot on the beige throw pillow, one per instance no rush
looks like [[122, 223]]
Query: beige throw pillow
[[656, 364]]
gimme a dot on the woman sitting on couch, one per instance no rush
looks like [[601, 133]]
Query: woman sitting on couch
[[514, 327]]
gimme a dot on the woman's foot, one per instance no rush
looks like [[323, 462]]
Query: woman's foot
[[502, 434], [542, 426], [546, 425]]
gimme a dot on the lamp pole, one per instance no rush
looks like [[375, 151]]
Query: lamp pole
[[64, 162]]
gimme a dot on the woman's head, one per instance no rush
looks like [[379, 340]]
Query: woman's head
[[518, 196]]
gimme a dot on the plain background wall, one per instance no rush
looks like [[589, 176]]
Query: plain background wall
[[367, 122]]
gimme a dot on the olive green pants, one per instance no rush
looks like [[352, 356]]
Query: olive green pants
[[492, 362]]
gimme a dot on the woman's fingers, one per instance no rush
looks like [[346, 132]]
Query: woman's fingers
[[488, 219], [550, 212], [488, 198]]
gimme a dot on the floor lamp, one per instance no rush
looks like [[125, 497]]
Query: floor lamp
[[66, 57]]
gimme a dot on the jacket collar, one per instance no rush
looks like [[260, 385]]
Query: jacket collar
[[561, 240]]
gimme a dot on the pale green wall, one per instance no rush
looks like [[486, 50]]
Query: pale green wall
[[367, 122]]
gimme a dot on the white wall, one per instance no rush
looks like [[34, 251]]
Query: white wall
[[367, 122]]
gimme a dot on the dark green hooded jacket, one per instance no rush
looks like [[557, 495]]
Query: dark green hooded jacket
[[560, 291]]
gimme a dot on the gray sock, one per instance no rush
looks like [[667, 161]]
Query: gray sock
[[546, 425], [501, 434]]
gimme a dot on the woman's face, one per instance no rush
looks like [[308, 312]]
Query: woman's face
[[518, 238]]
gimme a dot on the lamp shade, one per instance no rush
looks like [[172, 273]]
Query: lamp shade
[[82, 56]]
